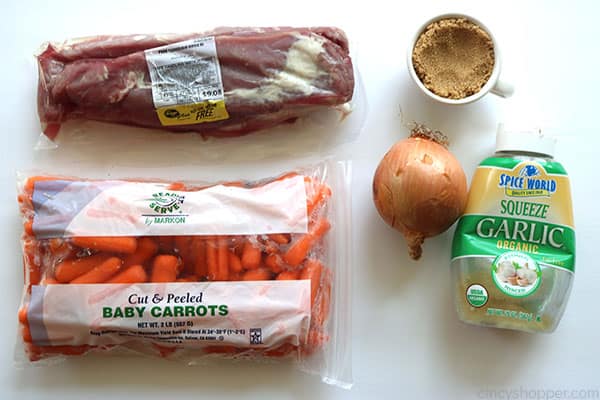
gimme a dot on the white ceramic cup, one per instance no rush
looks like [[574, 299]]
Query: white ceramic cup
[[493, 85]]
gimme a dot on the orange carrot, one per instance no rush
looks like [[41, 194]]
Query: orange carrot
[[274, 262], [280, 238], [259, 274], [179, 186], [251, 256], [146, 249], [198, 250], [235, 264], [26, 334], [23, 315], [132, 274], [315, 199], [312, 270], [28, 226], [300, 249], [212, 260], [222, 259], [198, 254], [164, 268], [101, 273], [70, 269], [288, 275], [116, 244]]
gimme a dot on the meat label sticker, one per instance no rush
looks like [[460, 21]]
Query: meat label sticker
[[259, 314], [186, 82]]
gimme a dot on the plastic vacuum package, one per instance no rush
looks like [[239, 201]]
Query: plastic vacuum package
[[189, 270], [225, 82]]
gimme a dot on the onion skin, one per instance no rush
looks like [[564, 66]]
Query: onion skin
[[420, 189]]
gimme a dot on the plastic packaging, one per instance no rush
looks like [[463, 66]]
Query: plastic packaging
[[225, 82], [513, 255], [187, 270]]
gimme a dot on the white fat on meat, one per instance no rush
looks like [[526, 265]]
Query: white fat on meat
[[300, 71]]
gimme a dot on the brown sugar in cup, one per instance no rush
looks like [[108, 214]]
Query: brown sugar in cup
[[454, 57]]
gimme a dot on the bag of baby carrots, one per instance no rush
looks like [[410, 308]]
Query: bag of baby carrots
[[183, 270]]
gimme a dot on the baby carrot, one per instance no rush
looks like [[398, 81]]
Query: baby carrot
[[28, 226], [23, 315], [146, 249], [198, 250], [49, 281], [179, 186], [235, 264], [26, 334], [251, 256], [133, 274], [68, 270], [222, 259], [116, 244], [259, 274], [164, 268], [280, 238], [288, 275], [312, 270], [322, 193], [300, 249], [101, 273], [212, 260], [274, 262]]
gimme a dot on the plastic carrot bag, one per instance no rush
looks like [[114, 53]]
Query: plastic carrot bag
[[185, 270]]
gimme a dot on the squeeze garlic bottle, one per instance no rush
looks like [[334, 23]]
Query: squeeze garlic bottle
[[513, 254]]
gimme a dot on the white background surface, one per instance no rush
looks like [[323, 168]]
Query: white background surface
[[407, 342]]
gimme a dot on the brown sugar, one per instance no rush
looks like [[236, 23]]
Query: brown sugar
[[454, 58]]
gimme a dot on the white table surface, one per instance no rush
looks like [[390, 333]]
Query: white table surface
[[407, 340]]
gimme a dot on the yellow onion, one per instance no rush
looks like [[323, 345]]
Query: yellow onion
[[419, 188]]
